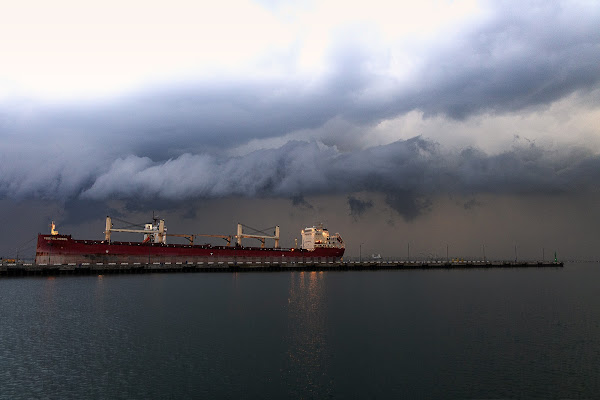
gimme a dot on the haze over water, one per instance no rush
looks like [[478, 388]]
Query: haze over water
[[510, 333]]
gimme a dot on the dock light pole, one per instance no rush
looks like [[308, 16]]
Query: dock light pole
[[360, 252]]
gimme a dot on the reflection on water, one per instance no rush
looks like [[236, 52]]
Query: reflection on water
[[508, 333], [308, 351], [99, 288], [49, 292]]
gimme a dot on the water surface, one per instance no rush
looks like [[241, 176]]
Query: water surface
[[342, 334]]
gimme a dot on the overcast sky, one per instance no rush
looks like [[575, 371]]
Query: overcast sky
[[391, 110]]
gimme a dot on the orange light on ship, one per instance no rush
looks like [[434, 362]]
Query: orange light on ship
[[53, 230]]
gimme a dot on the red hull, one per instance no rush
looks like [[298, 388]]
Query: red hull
[[62, 249]]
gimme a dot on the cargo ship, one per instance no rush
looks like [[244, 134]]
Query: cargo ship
[[318, 245]]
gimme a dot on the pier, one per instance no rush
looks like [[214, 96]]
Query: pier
[[29, 269]]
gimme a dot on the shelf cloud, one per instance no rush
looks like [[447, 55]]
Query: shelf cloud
[[181, 139], [407, 172]]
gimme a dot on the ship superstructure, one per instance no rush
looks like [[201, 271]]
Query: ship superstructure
[[319, 237]]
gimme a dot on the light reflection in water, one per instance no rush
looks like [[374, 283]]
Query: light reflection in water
[[49, 294], [308, 349], [99, 290]]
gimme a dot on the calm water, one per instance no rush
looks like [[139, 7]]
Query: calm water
[[511, 333]]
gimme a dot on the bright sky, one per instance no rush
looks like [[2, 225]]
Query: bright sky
[[67, 48]]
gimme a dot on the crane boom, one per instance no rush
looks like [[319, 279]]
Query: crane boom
[[191, 237]]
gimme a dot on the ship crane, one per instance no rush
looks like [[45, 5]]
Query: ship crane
[[227, 238], [160, 233], [262, 238]]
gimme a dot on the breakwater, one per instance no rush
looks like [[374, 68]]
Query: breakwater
[[27, 269]]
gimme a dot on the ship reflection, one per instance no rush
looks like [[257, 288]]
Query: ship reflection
[[308, 350], [49, 294]]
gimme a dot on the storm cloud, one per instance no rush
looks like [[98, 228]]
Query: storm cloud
[[514, 59], [358, 207], [407, 172], [520, 57], [178, 140]]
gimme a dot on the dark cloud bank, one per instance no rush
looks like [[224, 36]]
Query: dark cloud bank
[[526, 55], [407, 172]]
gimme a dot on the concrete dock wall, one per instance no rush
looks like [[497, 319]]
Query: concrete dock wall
[[26, 269]]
